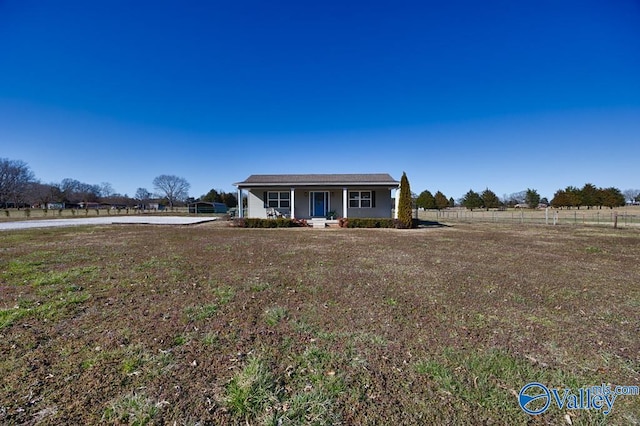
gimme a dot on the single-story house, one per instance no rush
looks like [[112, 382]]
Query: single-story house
[[309, 196], [155, 206]]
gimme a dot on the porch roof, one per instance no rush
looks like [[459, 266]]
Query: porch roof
[[368, 179]]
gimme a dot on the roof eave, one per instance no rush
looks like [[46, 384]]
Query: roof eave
[[299, 184]]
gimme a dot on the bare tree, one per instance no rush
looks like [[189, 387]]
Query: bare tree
[[631, 194], [142, 196], [174, 188], [41, 194], [15, 176], [106, 190], [515, 198], [74, 191]]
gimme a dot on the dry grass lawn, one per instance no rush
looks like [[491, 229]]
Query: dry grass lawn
[[216, 325]]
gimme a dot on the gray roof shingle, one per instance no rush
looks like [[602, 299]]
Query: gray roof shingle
[[319, 179]]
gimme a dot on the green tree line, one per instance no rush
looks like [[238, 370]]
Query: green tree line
[[588, 196], [426, 200]]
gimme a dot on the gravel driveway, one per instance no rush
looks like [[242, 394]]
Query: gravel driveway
[[147, 220]]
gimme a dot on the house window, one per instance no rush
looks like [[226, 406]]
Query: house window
[[278, 200], [360, 199]]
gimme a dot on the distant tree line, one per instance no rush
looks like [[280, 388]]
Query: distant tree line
[[20, 188], [218, 196], [426, 200], [588, 196], [488, 199]]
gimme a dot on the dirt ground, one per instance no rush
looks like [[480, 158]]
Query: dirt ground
[[215, 325]]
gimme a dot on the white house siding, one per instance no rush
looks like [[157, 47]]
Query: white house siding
[[255, 205], [255, 202]]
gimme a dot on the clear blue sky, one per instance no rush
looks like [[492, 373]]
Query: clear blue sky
[[461, 95]]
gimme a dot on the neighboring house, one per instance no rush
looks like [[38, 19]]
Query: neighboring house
[[55, 206], [90, 205], [156, 206], [318, 195]]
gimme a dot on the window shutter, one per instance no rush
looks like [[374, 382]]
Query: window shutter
[[265, 199], [373, 199]]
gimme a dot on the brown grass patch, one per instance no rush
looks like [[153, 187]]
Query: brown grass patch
[[226, 325]]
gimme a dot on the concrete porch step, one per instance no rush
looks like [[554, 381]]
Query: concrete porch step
[[319, 222]]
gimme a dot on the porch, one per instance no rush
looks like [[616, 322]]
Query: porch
[[326, 203], [301, 203]]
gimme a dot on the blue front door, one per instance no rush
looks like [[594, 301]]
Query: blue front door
[[319, 204]]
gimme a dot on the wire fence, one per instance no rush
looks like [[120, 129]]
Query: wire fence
[[624, 217], [25, 214], [617, 218]]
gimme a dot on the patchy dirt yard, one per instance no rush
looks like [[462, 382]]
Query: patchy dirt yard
[[215, 325]]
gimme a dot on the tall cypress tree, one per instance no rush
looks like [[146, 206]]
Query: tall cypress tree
[[405, 212]]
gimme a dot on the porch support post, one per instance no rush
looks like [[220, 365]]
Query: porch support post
[[293, 203], [240, 209], [345, 200], [395, 211]]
